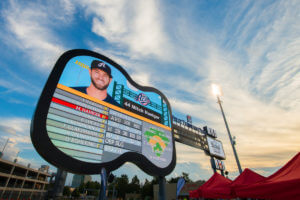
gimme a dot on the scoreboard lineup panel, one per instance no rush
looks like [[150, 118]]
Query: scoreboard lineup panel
[[95, 131]]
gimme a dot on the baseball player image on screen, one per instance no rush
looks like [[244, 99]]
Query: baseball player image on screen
[[101, 77]]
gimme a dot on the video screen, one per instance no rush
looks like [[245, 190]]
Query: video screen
[[96, 115]]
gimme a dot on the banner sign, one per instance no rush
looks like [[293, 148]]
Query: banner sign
[[215, 148], [219, 164], [92, 115], [189, 119], [180, 184]]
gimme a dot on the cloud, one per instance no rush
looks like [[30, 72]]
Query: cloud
[[267, 38], [23, 88], [257, 68], [135, 26], [258, 72], [28, 27], [253, 56], [17, 131]]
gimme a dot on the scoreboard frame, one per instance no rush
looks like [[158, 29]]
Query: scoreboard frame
[[53, 155]]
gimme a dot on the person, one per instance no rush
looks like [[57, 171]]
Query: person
[[101, 77]]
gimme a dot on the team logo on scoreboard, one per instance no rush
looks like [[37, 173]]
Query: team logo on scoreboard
[[143, 99]]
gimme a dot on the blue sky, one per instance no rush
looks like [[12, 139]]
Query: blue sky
[[250, 48]]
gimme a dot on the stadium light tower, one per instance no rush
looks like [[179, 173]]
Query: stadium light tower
[[217, 92]]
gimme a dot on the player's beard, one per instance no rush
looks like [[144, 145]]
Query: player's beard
[[104, 87]]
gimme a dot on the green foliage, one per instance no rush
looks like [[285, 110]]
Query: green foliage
[[134, 186], [81, 187], [147, 189], [173, 180], [76, 193], [67, 191], [92, 188], [184, 175], [89, 188], [121, 184]]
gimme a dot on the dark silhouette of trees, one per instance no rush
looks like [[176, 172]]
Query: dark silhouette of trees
[[184, 175], [121, 185], [76, 193], [67, 191]]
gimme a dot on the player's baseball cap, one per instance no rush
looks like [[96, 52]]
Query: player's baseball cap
[[101, 65]]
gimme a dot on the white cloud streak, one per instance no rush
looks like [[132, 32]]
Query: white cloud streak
[[133, 25], [28, 27], [17, 131]]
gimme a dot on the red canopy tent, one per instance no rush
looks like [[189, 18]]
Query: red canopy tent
[[247, 177], [215, 187], [198, 192], [215, 179], [283, 184], [193, 194], [218, 187]]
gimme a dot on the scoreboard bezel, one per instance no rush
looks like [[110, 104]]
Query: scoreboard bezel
[[53, 155]]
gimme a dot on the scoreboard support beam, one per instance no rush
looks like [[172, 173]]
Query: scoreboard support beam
[[102, 194], [212, 162], [162, 188]]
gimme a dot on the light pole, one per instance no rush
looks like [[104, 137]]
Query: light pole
[[1, 153], [217, 92]]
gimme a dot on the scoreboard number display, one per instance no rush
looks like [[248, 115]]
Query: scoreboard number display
[[92, 115]]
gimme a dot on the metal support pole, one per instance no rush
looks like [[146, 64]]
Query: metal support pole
[[231, 141], [162, 188], [212, 162], [102, 195], [7, 181], [222, 172], [23, 182], [12, 191], [1, 153], [113, 193]]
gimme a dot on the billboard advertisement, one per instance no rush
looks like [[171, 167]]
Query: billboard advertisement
[[218, 164], [215, 148], [92, 115]]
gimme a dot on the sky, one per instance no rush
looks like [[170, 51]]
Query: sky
[[249, 48]]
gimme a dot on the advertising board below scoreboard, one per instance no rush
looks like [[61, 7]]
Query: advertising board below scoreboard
[[97, 116], [215, 148]]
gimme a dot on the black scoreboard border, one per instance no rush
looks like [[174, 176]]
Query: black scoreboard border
[[53, 155]]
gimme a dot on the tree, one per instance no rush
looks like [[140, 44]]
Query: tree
[[147, 189], [92, 188], [67, 191], [173, 180], [186, 177], [134, 186], [122, 185], [76, 193], [135, 180], [81, 187]]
